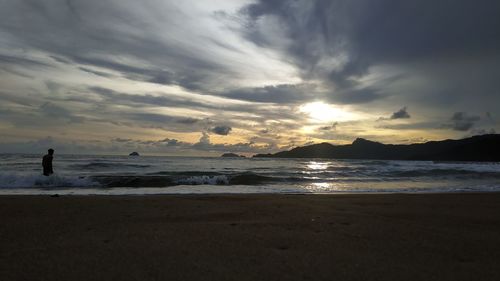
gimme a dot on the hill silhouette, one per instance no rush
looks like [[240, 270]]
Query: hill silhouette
[[484, 148]]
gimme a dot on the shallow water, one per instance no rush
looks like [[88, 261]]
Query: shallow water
[[87, 174]]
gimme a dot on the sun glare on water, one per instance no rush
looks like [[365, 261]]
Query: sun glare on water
[[324, 112]]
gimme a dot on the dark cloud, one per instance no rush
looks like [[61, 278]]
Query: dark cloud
[[145, 99], [332, 127], [41, 145], [123, 145], [489, 116], [411, 126], [18, 65], [188, 120], [60, 60], [121, 140], [261, 113], [379, 31], [285, 93], [160, 121], [356, 96], [461, 121], [131, 72], [159, 99], [95, 72], [476, 132], [401, 114], [96, 30], [54, 111], [221, 130], [357, 35], [21, 61], [374, 55], [171, 142], [203, 144]]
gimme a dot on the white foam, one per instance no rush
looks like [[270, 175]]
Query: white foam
[[197, 180], [20, 180]]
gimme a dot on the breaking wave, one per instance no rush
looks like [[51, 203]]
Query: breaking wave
[[165, 179], [109, 174], [456, 173], [101, 165], [40, 181]]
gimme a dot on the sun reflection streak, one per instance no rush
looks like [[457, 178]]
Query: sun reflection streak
[[323, 187], [316, 166]]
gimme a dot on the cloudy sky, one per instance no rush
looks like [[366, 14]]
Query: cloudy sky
[[206, 77]]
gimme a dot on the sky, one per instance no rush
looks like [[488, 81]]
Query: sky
[[167, 77]]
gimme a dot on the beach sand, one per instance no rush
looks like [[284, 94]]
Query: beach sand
[[251, 237]]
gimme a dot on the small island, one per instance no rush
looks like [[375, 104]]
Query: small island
[[232, 155], [134, 154]]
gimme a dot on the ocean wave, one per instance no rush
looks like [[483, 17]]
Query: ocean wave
[[457, 173], [198, 180], [185, 173], [114, 165], [193, 178], [168, 179], [374, 162], [14, 180]]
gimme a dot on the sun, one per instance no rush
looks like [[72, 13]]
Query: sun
[[324, 112]]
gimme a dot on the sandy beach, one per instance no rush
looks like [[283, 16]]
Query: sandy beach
[[251, 237]]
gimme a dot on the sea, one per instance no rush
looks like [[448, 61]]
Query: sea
[[145, 175]]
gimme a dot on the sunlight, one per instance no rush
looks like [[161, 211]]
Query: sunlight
[[313, 167], [317, 165], [324, 112]]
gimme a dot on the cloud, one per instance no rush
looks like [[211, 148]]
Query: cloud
[[422, 126], [96, 72], [401, 114], [461, 121], [489, 117], [221, 130], [162, 42], [182, 67], [283, 94], [368, 32], [343, 42], [124, 145], [54, 111], [332, 127], [22, 61], [41, 145], [131, 50], [130, 72], [355, 96], [121, 140], [476, 132]]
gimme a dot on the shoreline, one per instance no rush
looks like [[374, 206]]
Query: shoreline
[[52, 192], [410, 236], [221, 190]]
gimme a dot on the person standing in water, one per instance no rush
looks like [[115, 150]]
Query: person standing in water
[[47, 163]]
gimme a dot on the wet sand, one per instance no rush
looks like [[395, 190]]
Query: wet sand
[[251, 237]]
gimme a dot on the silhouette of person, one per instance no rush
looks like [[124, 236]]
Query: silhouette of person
[[47, 163]]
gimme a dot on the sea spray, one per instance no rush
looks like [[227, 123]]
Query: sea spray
[[22, 180]]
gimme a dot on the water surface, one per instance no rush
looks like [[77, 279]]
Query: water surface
[[87, 174]]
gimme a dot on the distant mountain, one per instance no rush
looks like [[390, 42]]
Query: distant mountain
[[478, 148]]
